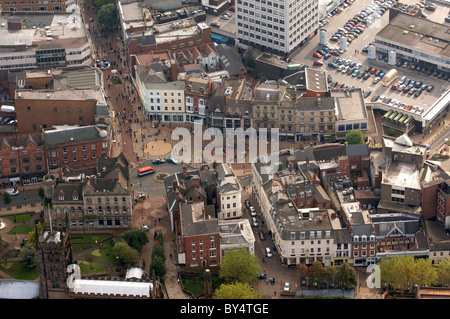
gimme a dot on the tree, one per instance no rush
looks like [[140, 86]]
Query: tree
[[107, 15], [127, 255], [237, 290], [135, 238], [6, 198], [316, 274], [249, 60], [424, 273], [239, 265], [347, 276], [158, 266], [443, 272], [28, 256], [355, 137], [41, 192], [158, 251]]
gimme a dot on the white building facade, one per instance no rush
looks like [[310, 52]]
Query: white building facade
[[276, 24]]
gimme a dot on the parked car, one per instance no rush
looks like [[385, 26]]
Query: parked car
[[317, 55], [12, 191], [286, 286], [262, 276], [247, 203], [139, 197], [252, 211], [215, 24], [430, 88], [145, 227], [158, 161], [254, 222], [268, 252], [374, 98], [317, 62], [262, 236], [367, 93], [172, 160]]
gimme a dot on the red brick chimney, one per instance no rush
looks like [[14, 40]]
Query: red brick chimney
[[297, 198]]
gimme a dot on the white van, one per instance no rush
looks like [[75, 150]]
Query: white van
[[268, 252]]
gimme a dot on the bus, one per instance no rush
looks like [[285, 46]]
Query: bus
[[387, 114], [146, 170]]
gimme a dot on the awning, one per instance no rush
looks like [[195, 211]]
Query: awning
[[14, 179]]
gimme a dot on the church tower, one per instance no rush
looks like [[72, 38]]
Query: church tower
[[54, 252]]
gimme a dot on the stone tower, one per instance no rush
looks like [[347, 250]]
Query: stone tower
[[54, 255], [49, 184]]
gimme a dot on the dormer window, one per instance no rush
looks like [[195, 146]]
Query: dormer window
[[61, 197]]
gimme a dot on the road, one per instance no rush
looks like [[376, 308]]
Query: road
[[30, 196]]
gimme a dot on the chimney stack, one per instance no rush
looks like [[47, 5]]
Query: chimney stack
[[297, 198]]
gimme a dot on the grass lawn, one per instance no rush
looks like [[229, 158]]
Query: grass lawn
[[87, 267], [20, 218], [21, 229], [83, 242], [18, 270], [104, 253]]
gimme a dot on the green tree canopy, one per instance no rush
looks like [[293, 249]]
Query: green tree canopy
[[237, 290], [347, 276], [158, 266], [107, 15], [6, 198], [355, 137], [135, 238], [127, 255], [239, 265], [443, 272], [28, 256]]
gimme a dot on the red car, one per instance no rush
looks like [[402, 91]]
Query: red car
[[395, 86], [409, 107], [335, 53], [317, 55], [373, 70], [317, 62], [231, 9]]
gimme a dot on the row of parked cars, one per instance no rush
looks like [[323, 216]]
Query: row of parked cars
[[396, 103], [410, 86], [353, 28]]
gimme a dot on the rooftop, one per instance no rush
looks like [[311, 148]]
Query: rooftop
[[402, 174], [349, 104], [411, 31]]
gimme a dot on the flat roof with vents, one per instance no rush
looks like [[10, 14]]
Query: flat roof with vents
[[414, 32]]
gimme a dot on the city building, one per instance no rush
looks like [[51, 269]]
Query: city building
[[197, 92], [44, 40], [229, 190], [74, 146], [276, 25], [36, 6], [162, 100], [416, 40], [43, 109], [91, 204], [22, 159]]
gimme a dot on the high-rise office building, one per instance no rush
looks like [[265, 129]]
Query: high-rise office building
[[279, 25]]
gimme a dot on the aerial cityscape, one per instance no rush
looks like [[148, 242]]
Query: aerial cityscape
[[224, 149]]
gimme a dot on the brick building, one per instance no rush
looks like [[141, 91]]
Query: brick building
[[200, 238], [22, 159], [76, 147], [42, 109]]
